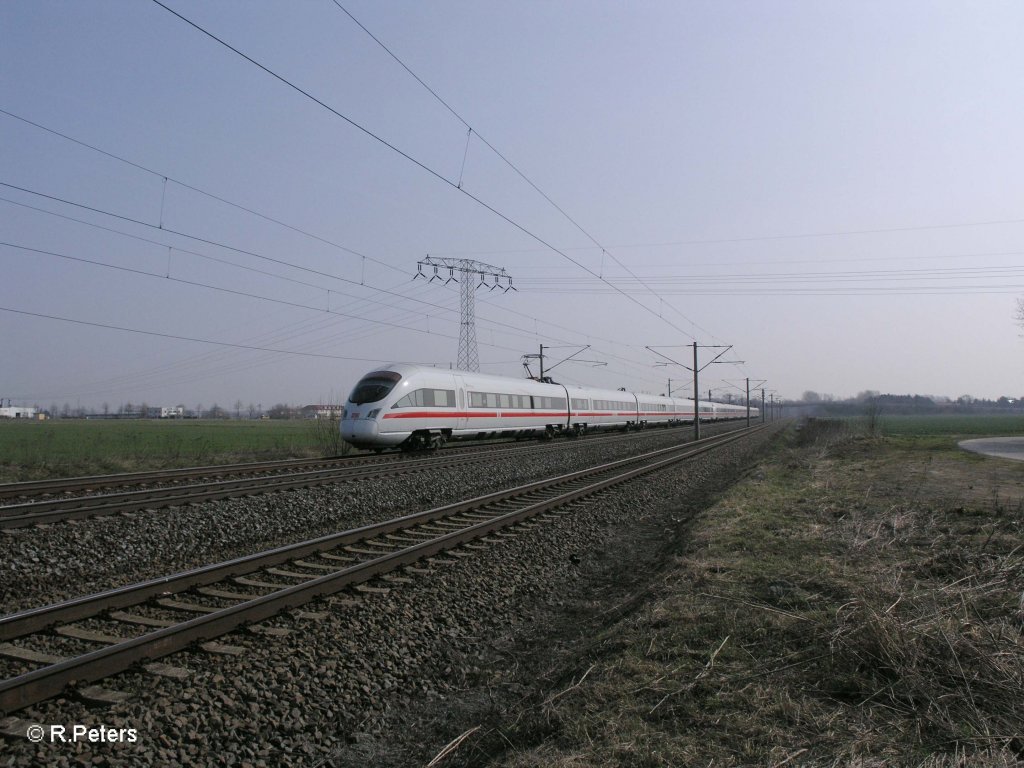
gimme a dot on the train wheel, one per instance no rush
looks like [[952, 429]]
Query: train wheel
[[415, 442]]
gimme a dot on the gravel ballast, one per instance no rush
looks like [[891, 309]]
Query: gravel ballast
[[385, 677], [46, 564]]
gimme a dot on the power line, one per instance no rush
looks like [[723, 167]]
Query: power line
[[881, 275], [876, 291], [208, 242], [762, 238], [175, 372], [413, 160], [218, 244], [511, 165], [76, 321], [235, 292], [211, 195], [131, 163], [226, 262], [225, 246], [761, 262], [220, 199]]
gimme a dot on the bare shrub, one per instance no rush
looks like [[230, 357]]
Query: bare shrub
[[326, 434], [872, 417], [823, 433]]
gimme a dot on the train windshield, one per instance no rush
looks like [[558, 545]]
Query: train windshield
[[374, 386]]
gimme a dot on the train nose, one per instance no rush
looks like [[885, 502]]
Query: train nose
[[358, 429]]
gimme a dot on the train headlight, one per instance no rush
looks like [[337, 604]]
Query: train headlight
[[373, 414]]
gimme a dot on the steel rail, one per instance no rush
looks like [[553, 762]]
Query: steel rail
[[30, 488], [43, 683], [89, 482], [54, 510], [78, 507], [37, 619]]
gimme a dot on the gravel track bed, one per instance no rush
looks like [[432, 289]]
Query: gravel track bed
[[391, 457], [179, 482], [45, 564], [389, 679]]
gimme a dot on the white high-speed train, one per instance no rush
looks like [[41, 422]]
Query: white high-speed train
[[414, 407]]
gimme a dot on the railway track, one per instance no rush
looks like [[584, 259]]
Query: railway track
[[36, 488], [65, 485], [131, 624], [250, 479]]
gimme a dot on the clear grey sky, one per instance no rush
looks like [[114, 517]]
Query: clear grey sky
[[833, 188]]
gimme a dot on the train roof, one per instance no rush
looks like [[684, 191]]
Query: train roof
[[408, 369]]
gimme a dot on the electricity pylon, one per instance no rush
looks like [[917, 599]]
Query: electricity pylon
[[472, 276]]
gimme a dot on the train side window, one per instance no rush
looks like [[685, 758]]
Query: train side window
[[430, 398], [409, 401], [492, 400]]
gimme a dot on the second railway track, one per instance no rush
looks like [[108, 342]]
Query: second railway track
[[271, 477]]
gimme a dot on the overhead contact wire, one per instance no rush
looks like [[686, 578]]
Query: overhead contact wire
[[411, 159]]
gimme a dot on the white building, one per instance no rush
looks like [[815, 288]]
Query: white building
[[173, 413], [14, 412]]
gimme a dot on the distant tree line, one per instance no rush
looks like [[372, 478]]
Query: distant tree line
[[239, 410], [814, 403]]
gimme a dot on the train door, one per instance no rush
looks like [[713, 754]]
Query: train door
[[462, 422]]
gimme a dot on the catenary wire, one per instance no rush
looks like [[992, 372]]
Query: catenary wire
[[67, 137], [278, 261], [436, 174], [238, 250], [77, 321]]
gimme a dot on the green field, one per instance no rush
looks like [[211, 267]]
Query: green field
[[966, 425], [32, 450]]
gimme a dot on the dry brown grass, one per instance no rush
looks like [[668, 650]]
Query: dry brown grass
[[828, 611]]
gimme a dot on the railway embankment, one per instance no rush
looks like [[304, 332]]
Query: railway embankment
[[378, 676], [851, 601], [810, 597]]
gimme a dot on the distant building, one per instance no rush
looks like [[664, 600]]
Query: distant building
[[322, 411], [173, 413], [14, 412]]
